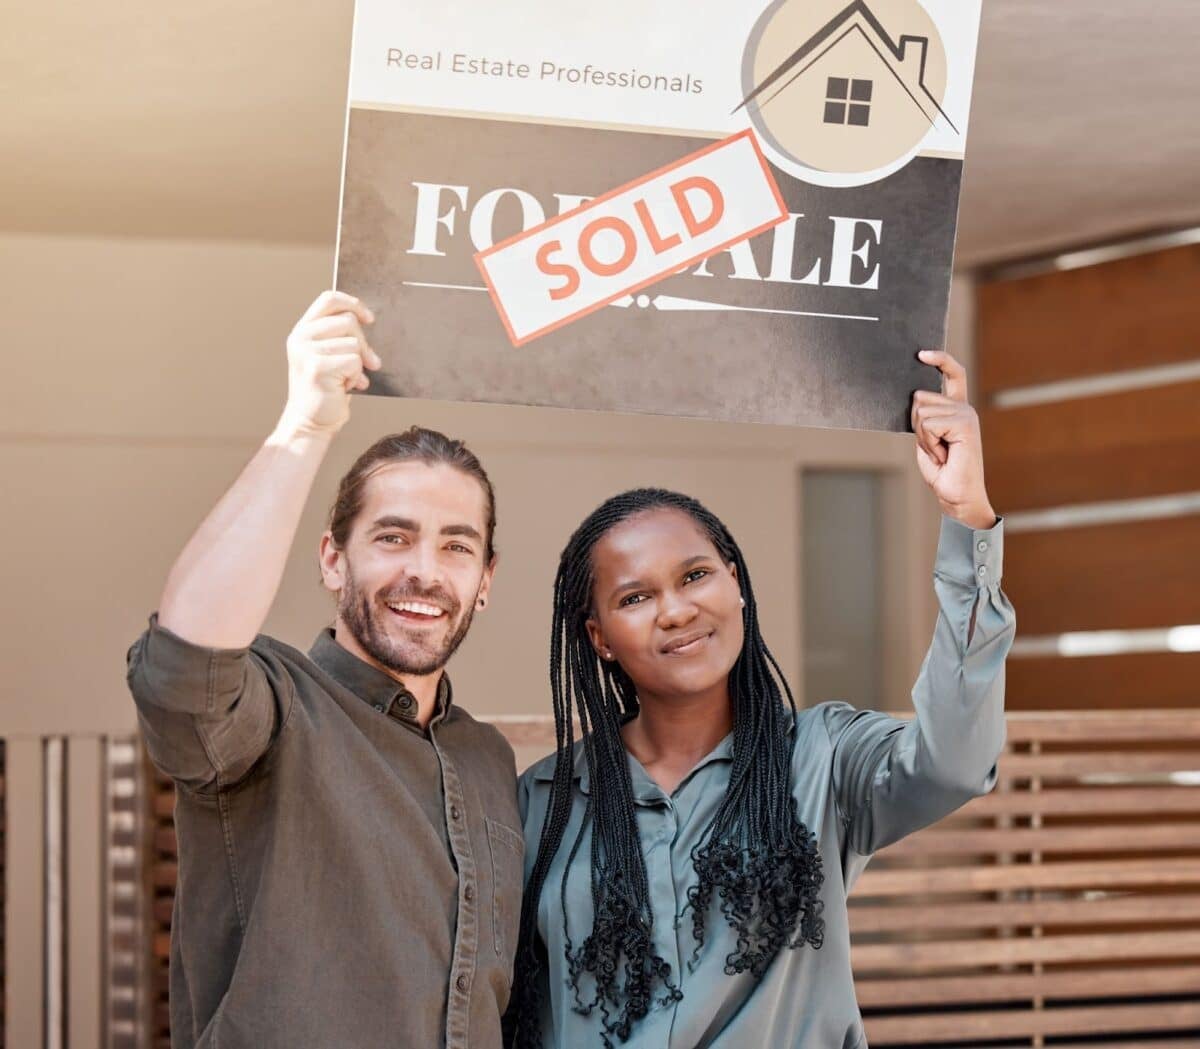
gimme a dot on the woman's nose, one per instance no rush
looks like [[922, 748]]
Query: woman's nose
[[675, 610]]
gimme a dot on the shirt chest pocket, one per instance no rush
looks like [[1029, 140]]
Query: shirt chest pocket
[[507, 849]]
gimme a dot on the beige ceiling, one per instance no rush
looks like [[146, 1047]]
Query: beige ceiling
[[224, 119]]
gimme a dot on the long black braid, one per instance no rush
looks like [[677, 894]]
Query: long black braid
[[755, 858]]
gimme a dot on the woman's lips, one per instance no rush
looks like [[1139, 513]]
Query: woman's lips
[[687, 643]]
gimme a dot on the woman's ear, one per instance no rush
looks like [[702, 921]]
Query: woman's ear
[[596, 635]]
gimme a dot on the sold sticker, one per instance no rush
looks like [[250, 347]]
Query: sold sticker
[[632, 236]]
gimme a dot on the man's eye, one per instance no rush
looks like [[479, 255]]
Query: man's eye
[[391, 539], [460, 548]]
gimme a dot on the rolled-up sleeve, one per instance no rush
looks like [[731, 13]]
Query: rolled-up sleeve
[[207, 714], [892, 777]]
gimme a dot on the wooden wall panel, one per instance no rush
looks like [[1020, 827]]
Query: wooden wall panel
[[1130, 313], [1127, 576], [1119, 446], [1140, 680]]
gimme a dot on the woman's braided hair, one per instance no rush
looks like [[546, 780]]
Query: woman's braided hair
[[756, 859]]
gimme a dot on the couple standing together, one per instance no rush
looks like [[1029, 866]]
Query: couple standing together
[[359, 866]]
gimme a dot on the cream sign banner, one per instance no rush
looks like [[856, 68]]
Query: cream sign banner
[[740, 212]]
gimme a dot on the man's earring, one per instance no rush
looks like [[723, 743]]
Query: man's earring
[[482, 603]]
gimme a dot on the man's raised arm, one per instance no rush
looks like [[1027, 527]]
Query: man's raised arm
[[221, 587]]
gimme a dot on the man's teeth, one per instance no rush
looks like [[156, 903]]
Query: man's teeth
[[417, 607]]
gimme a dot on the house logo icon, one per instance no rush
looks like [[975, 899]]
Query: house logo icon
[[845, 88]]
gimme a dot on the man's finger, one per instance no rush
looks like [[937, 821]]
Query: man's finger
[[338, 302], [332, 325], [338, 347], [954, 375], [347, 367]]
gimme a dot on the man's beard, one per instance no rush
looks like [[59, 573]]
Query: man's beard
[[417, 655]]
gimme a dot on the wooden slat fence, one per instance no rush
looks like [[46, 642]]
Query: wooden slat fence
[[1061, 910]]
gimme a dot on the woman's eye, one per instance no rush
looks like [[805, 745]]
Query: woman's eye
[[632, 599], [694, 574]]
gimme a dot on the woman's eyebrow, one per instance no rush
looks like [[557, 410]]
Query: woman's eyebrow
[[638, 584]]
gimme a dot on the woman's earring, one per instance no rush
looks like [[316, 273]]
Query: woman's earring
[[607, 654], [743, 600]]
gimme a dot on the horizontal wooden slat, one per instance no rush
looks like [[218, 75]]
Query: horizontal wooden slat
[[1079, 984], [1124, 1043], [1144, 725], [944, 954], [1125, 576], [937, 1029], [1144, 837], [1086, 763], [906, 916], [1128, 313], [1084, 800], [1118, 446], [1095, 875], [1135, 681]]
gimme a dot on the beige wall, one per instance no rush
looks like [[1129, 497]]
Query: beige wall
[[143, 373]]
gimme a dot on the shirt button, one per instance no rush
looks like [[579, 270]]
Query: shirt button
[[982, 546], [406, 702], [379, 707], [469, 893], [454, 813], [982, 571], [461, 983]]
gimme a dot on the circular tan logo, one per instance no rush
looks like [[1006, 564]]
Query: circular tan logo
[[844, 87]]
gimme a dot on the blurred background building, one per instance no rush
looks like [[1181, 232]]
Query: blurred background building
[[168, 202]]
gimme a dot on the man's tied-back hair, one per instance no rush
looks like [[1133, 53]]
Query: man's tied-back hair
[[756, 860], [416, 444]]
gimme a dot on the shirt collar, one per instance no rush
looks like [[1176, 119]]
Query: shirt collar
[[645, 790], [372, 685]]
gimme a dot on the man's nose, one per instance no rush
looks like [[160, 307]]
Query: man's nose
[[422, 565]]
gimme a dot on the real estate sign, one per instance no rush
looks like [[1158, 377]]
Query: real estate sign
[[740, 212]]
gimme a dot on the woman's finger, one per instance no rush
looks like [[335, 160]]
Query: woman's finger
[[954, 375]]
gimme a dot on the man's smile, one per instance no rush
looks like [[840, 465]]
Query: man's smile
[[416, 612]]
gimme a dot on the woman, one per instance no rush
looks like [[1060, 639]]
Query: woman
[[688, 860]]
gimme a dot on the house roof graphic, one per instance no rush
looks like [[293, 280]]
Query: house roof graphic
[[857, 17]]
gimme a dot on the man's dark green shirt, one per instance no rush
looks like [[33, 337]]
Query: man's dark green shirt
[[346, 879]]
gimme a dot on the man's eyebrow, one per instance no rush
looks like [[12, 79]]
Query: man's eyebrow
[[463, 529], [405, 524]]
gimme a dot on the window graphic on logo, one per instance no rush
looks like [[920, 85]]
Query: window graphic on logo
[[848, 101], [814, 69]]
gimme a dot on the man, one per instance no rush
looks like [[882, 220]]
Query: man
[[350, 852]]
